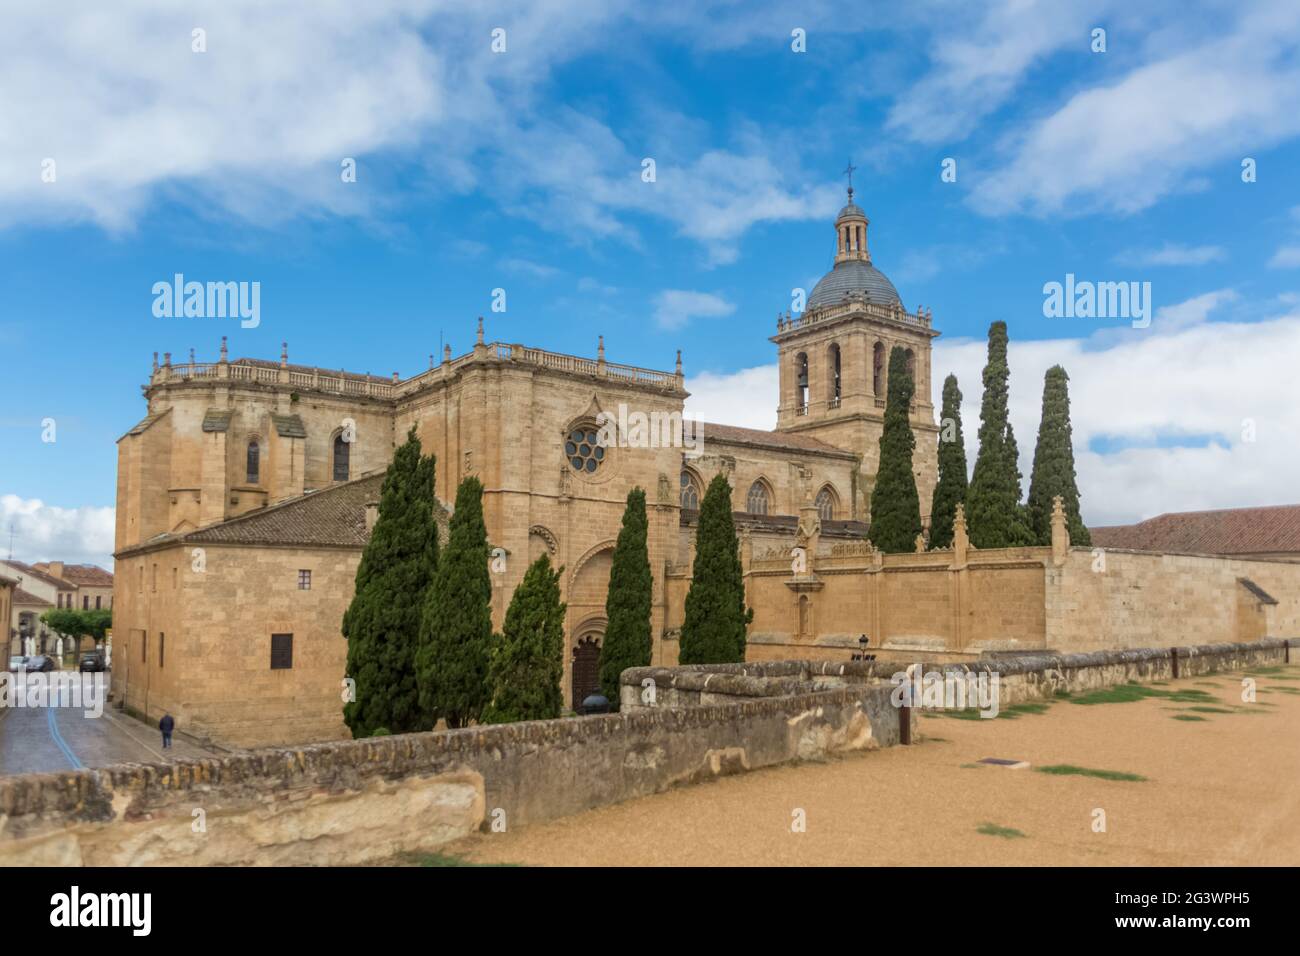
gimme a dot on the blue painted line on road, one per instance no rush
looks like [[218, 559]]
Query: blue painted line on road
[[59, 741]]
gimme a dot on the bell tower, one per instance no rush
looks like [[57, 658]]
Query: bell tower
[[834, 361]]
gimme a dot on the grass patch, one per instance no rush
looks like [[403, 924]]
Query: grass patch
[[1280, 690], [1011, 713], [972, 766], [1205, 709], [992, 829], [1066, 769], [1186, 717], [1130, 692], [444, 859]]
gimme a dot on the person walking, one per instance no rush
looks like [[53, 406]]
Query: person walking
[[166, 725]]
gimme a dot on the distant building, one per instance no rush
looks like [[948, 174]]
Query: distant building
[[45, 586], [1271, 532]]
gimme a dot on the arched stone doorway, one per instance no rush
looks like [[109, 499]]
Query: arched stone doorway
[[585, 672]]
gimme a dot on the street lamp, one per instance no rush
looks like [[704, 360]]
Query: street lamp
[[862, 654]]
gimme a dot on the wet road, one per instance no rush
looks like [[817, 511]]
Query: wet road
[[52, 739]]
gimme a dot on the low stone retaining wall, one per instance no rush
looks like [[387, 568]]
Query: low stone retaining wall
[[365, 800]]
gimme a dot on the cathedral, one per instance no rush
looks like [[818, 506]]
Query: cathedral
[[246, 493]]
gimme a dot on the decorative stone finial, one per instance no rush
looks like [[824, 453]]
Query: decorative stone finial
[[394, 378], [679, 361], [224, 352], [1060, 532], [284, 353], [430, 360], [479, 334], [167, 360], [600, 348], [192, 359], [155, 361], [920, 544], [446, 352]]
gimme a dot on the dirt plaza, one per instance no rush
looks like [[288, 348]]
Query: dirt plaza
[[1179, 773]]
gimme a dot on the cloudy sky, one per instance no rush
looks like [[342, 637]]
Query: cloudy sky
[[127, 157]]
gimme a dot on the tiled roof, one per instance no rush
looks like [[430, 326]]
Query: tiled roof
[[145, 422], [26, 597], [780, 441], [60, 583], [1269, 530], [289, 426], [83, 575], [333, 517], [217, 419]]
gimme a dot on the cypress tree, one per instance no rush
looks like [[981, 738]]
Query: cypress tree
[[951, 488], [895, 504], [1020, 531], [627, 603], [713, 631], [382, 623], [456, 627], [527, 658], [993, 509], [1053, 473]]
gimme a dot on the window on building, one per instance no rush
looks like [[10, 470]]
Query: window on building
[[139, 579], [826, 504], [304, 580], [153, 579], [175, 576], [144, 646], [162, 649], [878, 370], [757, 501], [98, 598], [584, 450], [254, 452], [690, 492], [281, 652], [342, 457], [801, 382], [833, 359]]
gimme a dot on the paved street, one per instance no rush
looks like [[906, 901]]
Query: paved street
[[52, 739]]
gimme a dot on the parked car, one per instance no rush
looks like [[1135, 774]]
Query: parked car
[[16, 662], [91, 661], [40, 662]]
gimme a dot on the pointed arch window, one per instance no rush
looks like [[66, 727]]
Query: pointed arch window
[[690, 492], [756, 503], [826, 504], [878, 370], [342, 457], [252, 469]]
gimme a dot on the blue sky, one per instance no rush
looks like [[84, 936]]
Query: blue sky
[[522, 170]]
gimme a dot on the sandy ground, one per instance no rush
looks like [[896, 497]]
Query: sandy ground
[[1224, 790]]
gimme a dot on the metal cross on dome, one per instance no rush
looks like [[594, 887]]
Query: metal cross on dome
[[848, 171]]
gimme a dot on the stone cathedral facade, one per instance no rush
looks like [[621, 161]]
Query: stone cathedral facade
[[246, 493]]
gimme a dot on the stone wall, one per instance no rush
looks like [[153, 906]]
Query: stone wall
[[367, 800]]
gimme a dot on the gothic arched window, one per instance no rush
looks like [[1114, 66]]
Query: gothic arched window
[[342, 457], [878, 370], [253, 470], [757, 501], [690, 492], [826, 504]]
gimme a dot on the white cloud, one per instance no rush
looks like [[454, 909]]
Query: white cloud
[[676, 307], [48, 533], [1172, 254], [1123, 146], [747, 398], [1155, 396], [1287, 257]]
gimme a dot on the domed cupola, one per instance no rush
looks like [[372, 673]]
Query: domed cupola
[[853, 275]]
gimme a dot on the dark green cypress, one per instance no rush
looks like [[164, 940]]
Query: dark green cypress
[[713, 630], [627, 603], [950, 490], [1020, 531], [994, 514], [1053, 473], [382, 624], [456, 627], [526, 661], [895, 504]]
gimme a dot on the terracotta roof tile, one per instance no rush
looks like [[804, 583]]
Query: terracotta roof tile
[[1268, 530], [780, 441], [60, 583], [83, 575], [26, 597], [333, 516]]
